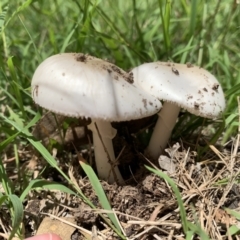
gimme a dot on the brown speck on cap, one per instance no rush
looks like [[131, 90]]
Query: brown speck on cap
[[181, 82], [196, 105], [189, 65], [175, 71], [130, 79], [109, 70], [144, 102], [215, 86], [116, 69], [121, 73], [81, 57], [204, 89]]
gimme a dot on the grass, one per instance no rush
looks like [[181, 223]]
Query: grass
[[127, 33]]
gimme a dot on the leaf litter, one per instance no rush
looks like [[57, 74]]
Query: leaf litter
[[146, 206]]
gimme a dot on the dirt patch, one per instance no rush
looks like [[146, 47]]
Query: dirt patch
[[146, 206]]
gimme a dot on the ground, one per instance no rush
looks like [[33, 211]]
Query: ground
[[146, 206]]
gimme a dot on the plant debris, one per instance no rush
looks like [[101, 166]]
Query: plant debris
[[148, 207]]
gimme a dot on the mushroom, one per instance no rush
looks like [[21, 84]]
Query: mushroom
[[79, 85], [179, 86]]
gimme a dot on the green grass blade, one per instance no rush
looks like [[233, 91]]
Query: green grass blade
[[68, 38], [233, 213], [100, 193], [3, 198], [5, 142], [196, 229], [185, 51], [3, 13], [42, 150], [19, 9], [165, 16], [3, 16], [17, 212], [177, 195], [44, 185], [189, 228], [189, 235], [193, 17], [14, 82], [48, 157], [5, 181], [233, 90], [234, 230], [32, 40]]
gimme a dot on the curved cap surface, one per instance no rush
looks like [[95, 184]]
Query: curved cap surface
[[79, 85], [188, 86]]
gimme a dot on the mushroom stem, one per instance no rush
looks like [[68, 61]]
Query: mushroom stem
[[167, 118], [104, 152]]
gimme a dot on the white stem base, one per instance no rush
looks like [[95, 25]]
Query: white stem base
[[105, 157], [167, 118]]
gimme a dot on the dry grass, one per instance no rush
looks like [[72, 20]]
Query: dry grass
[[148, 210]]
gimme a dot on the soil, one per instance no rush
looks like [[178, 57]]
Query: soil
[[146, 205]]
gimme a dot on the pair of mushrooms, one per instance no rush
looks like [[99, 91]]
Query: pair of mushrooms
[[79, 85]]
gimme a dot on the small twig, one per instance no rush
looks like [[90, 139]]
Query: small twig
[[155, 212], [117, 212], [129, 167], [170, 236], [155, 223], [144, 232], [119, 224]]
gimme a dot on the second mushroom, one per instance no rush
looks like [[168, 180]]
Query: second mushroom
[[179, 86]]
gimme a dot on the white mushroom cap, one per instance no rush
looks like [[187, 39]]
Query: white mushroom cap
[[80, 85], [188, 86]]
